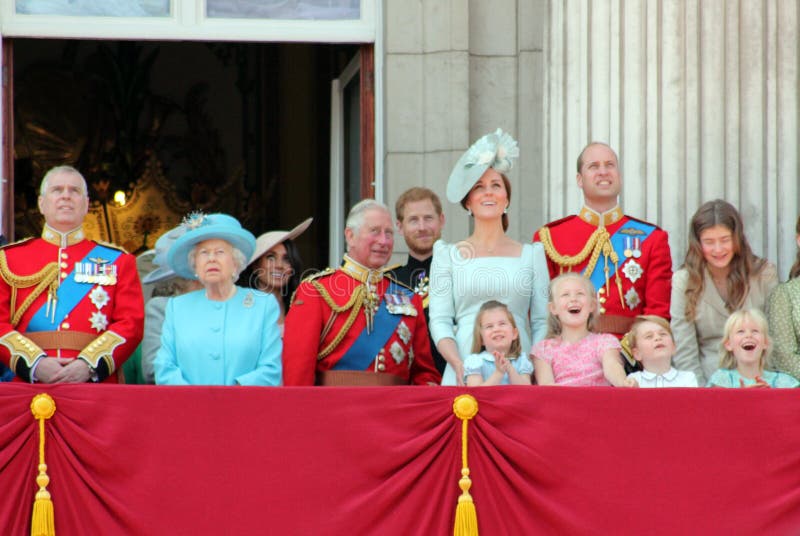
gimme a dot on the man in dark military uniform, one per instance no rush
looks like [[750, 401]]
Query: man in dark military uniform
[[420, 220], [71, 309], [355, 325], [628, 260]]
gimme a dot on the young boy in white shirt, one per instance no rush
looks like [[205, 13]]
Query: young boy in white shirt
[[650, 341]]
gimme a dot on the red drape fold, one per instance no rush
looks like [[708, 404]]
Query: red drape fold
[[133, 460]]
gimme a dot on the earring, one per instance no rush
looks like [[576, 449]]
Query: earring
[[505, 210], [469, 212]]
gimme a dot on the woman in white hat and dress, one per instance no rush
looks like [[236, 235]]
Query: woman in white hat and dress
[[222, 334], [487, 265]]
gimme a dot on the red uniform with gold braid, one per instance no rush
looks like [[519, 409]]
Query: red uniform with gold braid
[[333, 311], [639, 276], [63, 295]]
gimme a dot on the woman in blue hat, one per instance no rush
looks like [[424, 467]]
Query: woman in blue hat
[[222, 334], [488, 265]]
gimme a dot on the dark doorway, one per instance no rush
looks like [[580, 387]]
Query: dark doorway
[[242, 128]]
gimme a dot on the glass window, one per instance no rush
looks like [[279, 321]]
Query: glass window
[[285, 9], [95, 8]]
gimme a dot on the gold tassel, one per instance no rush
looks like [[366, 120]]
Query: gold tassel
[[466, 524], [43, 521]]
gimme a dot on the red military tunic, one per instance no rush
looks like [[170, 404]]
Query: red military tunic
[[103, 328], [316, 336], [647, 294]]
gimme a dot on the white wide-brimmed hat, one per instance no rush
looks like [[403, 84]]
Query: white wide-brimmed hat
[[199, 227], [496, 150], [269, 240]]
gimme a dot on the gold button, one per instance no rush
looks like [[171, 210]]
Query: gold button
[[602, 309], [63, 275], [381, 358], [64, 265], [602, 290], [601, 300], [64, 256], [65, 325], [381, 367]]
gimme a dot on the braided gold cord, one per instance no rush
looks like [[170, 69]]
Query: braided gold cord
[[353, 304], [566, 260], [42, 279]]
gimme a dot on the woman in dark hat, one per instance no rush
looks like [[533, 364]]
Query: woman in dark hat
[[221, 334]]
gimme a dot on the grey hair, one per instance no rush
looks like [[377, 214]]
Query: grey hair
[[355, 218], [61, 169], [239, 260]]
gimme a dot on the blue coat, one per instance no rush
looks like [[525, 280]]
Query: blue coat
[[206, 342]]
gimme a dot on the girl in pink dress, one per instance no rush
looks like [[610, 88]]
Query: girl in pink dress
[[572, 354]]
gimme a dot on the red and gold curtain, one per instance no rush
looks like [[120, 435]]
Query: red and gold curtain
[[143, 460]]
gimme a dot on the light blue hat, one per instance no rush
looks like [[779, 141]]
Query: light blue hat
[[163, 244], [496, 150], [199, 227]]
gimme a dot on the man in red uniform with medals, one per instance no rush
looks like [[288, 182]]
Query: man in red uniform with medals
[[71, 309], [628, 260], [355, 325]]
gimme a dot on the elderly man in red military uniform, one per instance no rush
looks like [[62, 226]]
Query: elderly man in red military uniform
[[71, 309], [355, 325], [628, 260]]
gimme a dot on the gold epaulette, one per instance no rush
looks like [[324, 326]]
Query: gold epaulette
[[18, 242], [312, 277], [112, 246], [396, 281], [44, 278]]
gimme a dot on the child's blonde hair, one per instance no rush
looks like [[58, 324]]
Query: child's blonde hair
[[477, 340], [726, 358], [641, 319], [553, 323]]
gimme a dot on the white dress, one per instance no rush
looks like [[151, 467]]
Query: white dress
[[459, 286]]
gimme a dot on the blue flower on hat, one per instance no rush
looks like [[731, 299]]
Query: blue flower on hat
[[496, 150]]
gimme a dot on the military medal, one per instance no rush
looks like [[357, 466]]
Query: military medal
[[99, 297], [397, 352], [400, 304], [632, 299], [627, 251], [403, 332], [632, 270], [98, 321], [636, 245]]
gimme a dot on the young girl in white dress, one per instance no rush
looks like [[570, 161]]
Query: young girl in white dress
[[496, 357], [744, 350], [572, 354]]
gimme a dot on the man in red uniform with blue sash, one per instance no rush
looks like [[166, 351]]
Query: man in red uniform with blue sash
[[71, 309], [355, 325], [628, 260]]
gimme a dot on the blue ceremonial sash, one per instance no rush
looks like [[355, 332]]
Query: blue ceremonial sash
[[70, 293], [363, 351], [598, 276]]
